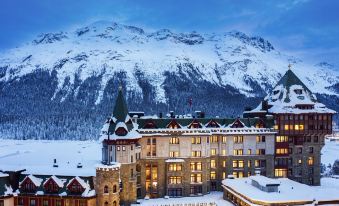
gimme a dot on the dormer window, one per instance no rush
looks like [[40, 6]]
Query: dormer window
[[195, 124], [275, 92], [120, 131], [30, 184], [212, 124], [173, 125], [237, 124], [298, 91], [51, 186], [75, 187]]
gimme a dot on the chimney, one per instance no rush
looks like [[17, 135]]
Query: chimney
[[55, 164], [172, 114]]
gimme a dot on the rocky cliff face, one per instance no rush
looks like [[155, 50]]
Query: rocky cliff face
[[63, 85]]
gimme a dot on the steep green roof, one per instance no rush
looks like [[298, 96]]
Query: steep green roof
[[288, 80], [120, 109]]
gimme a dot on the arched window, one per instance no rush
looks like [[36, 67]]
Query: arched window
[[114, 203], [106, 189], [106, 203], [114, 189]]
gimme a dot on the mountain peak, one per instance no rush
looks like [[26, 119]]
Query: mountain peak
[[256, 41]]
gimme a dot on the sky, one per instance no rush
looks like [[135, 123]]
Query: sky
[[308, 29]]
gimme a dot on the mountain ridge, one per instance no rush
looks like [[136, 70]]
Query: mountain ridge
[[81, 69]]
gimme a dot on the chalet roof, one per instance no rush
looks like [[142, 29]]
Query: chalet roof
[[288, 96], [86, 182], [289, 80]]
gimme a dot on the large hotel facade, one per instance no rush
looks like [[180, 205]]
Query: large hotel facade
[[177, 156]]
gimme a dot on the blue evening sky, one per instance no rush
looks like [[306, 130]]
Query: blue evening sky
[[305, 28]]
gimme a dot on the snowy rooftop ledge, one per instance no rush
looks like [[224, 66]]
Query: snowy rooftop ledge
[[37, 157], [288, 192]]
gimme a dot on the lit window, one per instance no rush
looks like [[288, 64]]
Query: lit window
[[238, 139], [196, 153], [196, 140], [282, 138], [213, 164], [249, 151], [174, 140], [223, 152], [280, 172], [286, 127], [310, 161], [238, 152], [299, 161], [174, 180], [174, 154], [175, 167], [281, 151], [224, 175], [213, 151], [224, 140], [224, 163], [213, 175]]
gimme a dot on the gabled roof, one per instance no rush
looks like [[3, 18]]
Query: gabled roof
[[290, 95], [212, 123], [173, 123], [36, 181], [195, 123], [86, 182], [56, 180], [237, 124], [288, 81]]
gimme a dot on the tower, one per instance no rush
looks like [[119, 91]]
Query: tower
[[120, 146], [107, 185], [302, 123]]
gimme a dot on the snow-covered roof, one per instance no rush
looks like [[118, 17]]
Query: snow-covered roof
[[58, 181], [114, 165], [264, 181], [36, 181], [288, 190], [88, 192], [36, 157], [3, 174], [121, 124], [289, 96]]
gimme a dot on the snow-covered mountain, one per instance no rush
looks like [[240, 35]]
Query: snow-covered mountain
[[160, 70]]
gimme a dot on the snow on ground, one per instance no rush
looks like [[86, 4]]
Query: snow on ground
[[37, 157], [330, 152], [212, 199]]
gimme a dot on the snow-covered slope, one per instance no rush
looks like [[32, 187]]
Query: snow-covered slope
[[103, 48], [66, 82]]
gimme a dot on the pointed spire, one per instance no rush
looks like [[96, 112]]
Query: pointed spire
[[120, 109], [289, 66]]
